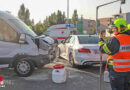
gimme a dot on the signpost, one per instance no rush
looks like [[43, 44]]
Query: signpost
[[80, 26]]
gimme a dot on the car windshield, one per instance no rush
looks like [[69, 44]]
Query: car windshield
[[88, 39], [23, 27]]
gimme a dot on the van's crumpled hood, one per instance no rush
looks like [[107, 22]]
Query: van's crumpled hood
[[44, 42], [47, 39]]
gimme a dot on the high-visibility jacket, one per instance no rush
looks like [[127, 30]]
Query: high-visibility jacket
[[122, 58]]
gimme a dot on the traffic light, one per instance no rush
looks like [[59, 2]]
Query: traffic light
[[122, 1]]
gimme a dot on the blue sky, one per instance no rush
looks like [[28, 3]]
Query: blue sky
[[39, 9]]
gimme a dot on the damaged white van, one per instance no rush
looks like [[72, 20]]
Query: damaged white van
[[20, 47]]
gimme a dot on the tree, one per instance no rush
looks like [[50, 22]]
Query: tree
[[38, 28], [74, 17], [27, 17], [24, 14], [59, 17], [21, 13]]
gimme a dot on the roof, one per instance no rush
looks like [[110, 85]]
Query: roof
[[6, 15]]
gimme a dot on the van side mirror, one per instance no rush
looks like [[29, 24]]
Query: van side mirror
[[22, 39]]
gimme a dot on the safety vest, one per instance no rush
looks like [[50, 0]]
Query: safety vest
[[121, 60]]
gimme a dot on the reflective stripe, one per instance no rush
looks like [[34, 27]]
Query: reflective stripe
[[121, 60], [122, 69], [101, 43], [124, 48], [121, 66], [105, 48]]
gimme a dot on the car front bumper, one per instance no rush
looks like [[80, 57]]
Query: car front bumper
[[40, 60]]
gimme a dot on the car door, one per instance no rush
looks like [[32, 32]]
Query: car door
[[69, 46], [8, 42], [63, 45]]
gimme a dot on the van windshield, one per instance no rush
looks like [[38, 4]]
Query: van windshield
[[23, 27]]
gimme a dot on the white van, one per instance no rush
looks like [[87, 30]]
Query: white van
[[20, 47], [60, 32]]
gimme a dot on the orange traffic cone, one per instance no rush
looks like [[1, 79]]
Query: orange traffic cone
[[2, 84]]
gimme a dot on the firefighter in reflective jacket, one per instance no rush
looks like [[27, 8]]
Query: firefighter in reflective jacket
[[118, 50]]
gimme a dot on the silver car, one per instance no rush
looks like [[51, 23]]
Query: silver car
[[80, 50]]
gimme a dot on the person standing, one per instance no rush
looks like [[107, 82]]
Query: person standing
[[118, 51]]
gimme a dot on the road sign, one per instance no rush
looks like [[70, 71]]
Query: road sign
[[80, 26]]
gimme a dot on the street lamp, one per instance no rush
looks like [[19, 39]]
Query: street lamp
[[122, 2], [67, 11]]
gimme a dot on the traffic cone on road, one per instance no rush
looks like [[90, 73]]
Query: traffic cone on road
[[2, 84]]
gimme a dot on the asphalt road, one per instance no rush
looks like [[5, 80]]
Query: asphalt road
[[77, 79]]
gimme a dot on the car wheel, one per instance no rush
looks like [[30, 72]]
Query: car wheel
[[57, 55], [52, 55], [23, 67], [71, 60]]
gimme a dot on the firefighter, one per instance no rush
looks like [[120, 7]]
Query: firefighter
[[118, 50]]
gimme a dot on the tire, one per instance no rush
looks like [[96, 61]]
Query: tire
[[71, 61], [57, 55], [24, 67], [52, 55]]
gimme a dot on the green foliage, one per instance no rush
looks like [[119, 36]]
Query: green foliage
[[74, 17], [24, 14], [40, 27]]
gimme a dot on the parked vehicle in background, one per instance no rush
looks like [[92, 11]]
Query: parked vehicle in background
[[60, 32], [80, 50], [20, 47]]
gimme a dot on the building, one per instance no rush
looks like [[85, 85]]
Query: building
[[89, 26], [126, 16]]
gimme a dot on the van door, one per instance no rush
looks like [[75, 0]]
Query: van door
[[8, 42]]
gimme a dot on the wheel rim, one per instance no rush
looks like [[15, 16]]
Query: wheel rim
[[23, 67]]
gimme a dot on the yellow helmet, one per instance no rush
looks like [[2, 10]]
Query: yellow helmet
[[121, 24], [128, 26]]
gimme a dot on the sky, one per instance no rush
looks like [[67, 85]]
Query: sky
[[39, 9]]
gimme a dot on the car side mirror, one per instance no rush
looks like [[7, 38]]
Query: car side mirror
[[22, 39]]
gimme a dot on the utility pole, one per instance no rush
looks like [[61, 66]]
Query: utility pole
[[67, 11]]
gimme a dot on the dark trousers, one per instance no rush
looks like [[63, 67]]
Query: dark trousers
[[119, 80]]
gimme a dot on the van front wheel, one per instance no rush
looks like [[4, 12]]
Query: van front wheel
[[24, 67]]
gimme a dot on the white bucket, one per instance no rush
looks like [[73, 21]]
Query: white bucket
[[106, 76], [59, 75]]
